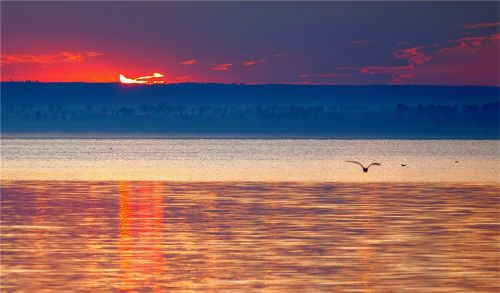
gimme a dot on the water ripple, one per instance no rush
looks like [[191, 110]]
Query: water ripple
[[249, 236]]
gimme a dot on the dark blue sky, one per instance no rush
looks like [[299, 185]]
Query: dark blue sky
[[449, 43]]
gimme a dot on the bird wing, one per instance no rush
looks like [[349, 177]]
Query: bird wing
[[356, 163], [374, 164]]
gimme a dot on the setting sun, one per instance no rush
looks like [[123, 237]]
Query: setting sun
[[142, 79]]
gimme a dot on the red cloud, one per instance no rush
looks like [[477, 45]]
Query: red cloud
[[465, 63], [221, 67], [253, 62], [412, 55], [188, 62], [459, 50], [68, 57], [467, 43], [481, 25]]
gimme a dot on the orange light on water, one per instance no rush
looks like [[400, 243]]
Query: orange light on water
[[140, 238], [142, 79]]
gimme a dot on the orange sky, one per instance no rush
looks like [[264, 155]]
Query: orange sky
[[299, 43]]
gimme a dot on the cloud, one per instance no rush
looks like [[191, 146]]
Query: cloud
[[251, 63], [467, 43], [458, 50], [62, 57], [221, 67], [481, 25], [470, 59], [412, 55], [188, 62]]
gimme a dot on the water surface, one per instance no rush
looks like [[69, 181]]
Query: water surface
[[243, 215], [95, 236], [251, 160]]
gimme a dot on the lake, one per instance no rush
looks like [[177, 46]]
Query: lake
[[188, 215], [251, 160]]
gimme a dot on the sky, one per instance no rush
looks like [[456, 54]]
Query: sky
[[359, 43]]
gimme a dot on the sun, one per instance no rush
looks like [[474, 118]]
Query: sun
[[149, 79]]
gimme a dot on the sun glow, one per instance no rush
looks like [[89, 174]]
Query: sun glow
[[142, 79]]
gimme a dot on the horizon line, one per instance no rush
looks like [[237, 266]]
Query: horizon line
[[241, 84]]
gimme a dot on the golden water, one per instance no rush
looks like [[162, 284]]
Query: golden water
[[311, 160], [93, 236]]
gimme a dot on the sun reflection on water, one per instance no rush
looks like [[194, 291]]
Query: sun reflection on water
[[133, 236], [141, 238]]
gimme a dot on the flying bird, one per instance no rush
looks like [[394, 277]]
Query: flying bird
[[403, 165], [365, 169]]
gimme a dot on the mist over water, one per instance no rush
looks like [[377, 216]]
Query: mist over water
[[251, 160]]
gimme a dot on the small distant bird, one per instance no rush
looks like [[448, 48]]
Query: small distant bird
[[365, 169], [456, 161], [403, 165]]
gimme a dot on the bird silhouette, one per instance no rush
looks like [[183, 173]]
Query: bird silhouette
[[403, 165], [456, 161], [365, 169]]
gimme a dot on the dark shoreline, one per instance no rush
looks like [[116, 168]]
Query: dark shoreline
[[249, 137], [249, 111]]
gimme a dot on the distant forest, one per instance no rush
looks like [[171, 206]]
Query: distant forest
[[219, 110]]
